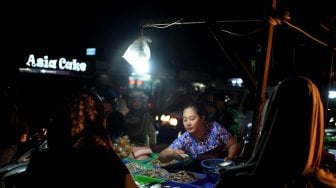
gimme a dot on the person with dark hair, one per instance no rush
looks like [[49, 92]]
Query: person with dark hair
[[80, 152], [289, 150], [200, 140], [115, 121], [139, 123]]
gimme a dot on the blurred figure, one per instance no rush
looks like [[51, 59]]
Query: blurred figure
[[211, 112], [226, 116], [8, 133], [115, 122], [122, 106], [139, 123], [24, 142], [289, 149], [248, 108], [9, 122], [80, 151]]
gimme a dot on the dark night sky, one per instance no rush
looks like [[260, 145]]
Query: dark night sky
[[106, 26], [111, 27]]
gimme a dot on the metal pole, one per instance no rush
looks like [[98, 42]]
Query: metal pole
[[262, 90]]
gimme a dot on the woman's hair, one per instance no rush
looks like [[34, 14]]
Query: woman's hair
[[79, 121], [198, 107], [293, 130], [289, 150]]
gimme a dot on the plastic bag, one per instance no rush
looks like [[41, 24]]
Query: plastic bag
[[138, 54]]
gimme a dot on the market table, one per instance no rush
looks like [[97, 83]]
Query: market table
[[151, 172]]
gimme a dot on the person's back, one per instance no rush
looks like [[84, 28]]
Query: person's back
[[289, 150], [79, 150], [94, 168]]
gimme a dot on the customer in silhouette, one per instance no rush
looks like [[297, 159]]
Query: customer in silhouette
[[80, 150], [289, 150]]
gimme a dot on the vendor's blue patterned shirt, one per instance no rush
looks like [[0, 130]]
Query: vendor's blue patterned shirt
[[216, 136]]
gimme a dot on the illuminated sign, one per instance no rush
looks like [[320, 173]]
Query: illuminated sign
[[90, 51], [56, 64]]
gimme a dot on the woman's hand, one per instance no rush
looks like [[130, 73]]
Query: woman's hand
[[169, 154], [180, 154]]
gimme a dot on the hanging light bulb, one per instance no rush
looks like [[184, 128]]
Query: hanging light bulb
[[138, 55]]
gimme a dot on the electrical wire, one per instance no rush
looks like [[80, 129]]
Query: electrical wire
[[307, 34], [242, 34]]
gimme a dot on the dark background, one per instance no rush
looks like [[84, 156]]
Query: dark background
[[70, 27], [111, 27]]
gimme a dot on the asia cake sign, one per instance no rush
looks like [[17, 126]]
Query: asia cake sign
[[56, 64]]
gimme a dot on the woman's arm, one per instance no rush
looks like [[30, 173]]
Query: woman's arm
[[233, 149], [167, 155]]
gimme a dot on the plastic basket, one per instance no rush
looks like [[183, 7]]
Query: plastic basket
[[211, 168]]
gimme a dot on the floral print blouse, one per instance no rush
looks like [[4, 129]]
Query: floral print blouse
[[216, 136]]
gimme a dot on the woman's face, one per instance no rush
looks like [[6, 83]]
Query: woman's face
[[192, 122]]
